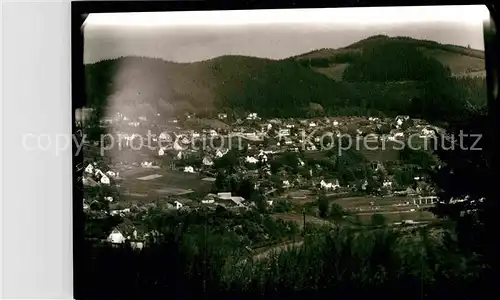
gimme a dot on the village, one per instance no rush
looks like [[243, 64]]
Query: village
[[198, 160]]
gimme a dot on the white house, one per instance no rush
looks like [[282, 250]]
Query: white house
[[252, 116], [188, 169], [330, 185], [312, 124], [364, 185], [262, 156], [161, 152], [301, 162], [222, 116], [335, 123], [165, 136], [111, 174], [251, 160], [90, 169], [387, 184], [109, 199], [178, 205], [221, 152], [284, 132], [105, 180], [207, 161], [311, 147], [286, 183], [146, 164], [208, 201], [427, 132], [116, 237], [180, 155]]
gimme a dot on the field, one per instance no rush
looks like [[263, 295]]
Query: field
[[393, 217], [145, 185]]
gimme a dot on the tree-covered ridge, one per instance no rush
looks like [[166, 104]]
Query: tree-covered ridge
[[394, 61], [387, 76]]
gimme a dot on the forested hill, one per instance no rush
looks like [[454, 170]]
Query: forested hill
[[378, 75]]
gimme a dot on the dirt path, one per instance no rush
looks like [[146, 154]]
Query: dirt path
[[277, 249]]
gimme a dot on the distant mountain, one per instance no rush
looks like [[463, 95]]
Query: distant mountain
[[378, 75]]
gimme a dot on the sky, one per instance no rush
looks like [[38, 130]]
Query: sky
[[196, 36]]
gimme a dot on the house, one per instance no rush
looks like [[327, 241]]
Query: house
[[188, 169], [143, 118], [208, 200], [221, 152], [311, 147], [146, 164], [105, 180], [222, 116], [251, 160], [400, 120], [164, 136], [252, 116], [207, 161], [284, 132], [112, 174], [262, 156], [236, 200], [89, 169], [161, 152], [335, 123], [301, 162], [364, 185], [180, 155], [329, 185], [425, 132], [286, 184], [109, 199], [266, 127], [177, 205], [116, 237], [312, 124], [387, 183]]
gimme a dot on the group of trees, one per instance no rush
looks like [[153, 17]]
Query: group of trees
[[343, 261]]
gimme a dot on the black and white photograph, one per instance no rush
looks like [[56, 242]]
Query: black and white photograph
[[331, 151]]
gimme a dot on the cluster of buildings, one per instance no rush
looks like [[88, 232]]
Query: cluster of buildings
[[184, 148]]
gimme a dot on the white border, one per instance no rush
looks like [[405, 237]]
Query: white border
[[36, 185]]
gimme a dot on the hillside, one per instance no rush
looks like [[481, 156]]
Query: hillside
[[378, 75]]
